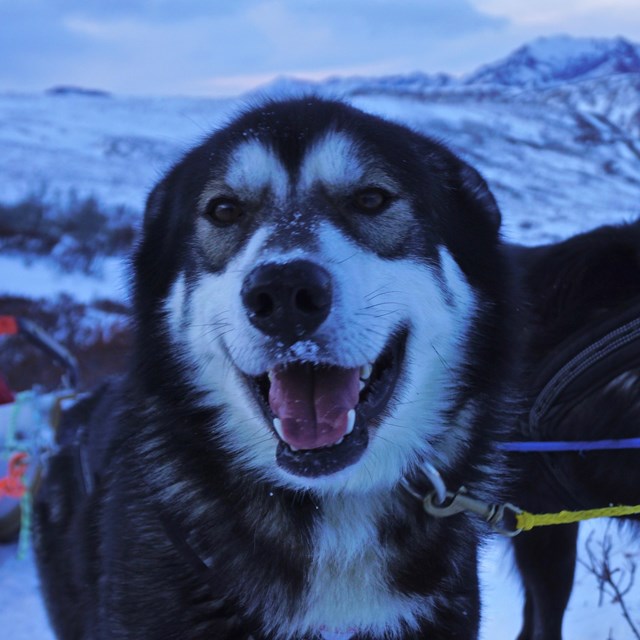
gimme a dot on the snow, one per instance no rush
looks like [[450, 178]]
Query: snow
[[585, 618], [556, 59], [561, 159], [22, 614], [40, 279], [112, 147]]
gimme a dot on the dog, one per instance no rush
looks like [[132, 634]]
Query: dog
[[579, 291], [322, 304]]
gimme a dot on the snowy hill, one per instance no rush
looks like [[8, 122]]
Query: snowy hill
[[561, 59], [599, 78]]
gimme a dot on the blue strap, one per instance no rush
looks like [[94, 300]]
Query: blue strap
[[573, 445]]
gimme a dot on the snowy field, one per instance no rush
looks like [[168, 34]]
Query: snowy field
[[560, 161], [22, 615]]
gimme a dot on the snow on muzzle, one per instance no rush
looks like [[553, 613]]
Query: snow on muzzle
[[323, 413]]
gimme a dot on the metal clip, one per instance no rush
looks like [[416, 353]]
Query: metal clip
[[433, 475], [459, 502]]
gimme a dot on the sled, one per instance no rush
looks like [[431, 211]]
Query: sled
[[28, 421]]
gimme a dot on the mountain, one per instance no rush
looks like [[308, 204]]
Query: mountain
[[595, 77], [560, 59], [543, 63], [416, 83]]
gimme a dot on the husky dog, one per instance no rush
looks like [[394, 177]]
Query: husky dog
[[583, 293], [322, 304]]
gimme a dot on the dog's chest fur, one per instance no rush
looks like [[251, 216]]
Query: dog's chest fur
[[348, 587]]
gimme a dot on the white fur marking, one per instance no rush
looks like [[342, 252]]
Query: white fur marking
[[254, 167], [337, 162], [347, 590], [174, 308], [333, 160]]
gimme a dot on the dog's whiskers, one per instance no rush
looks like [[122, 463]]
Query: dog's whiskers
[[343, 260], [395, 303], [442, 360], [376, 293], [383, 314], [214, 337]]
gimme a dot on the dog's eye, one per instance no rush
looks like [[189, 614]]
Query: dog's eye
[[223, 211], [371, 200]]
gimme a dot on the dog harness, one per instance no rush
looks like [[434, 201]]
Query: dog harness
[[582, 364], [589, 359]]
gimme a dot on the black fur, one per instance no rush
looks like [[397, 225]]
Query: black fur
[[571, 285], [174, 541]]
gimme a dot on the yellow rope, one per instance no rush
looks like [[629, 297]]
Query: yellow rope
[[526, 521]]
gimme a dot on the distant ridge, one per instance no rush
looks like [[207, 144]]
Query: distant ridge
[[67, 90], [560, 59], [543, 63]]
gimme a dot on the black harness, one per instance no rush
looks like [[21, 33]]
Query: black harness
[[581, 365]]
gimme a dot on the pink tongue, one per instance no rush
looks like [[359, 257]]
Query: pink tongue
[[313, 402]]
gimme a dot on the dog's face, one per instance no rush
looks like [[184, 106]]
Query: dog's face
[[318, 274]]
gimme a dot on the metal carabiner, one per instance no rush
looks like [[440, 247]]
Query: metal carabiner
[[497, 523], [459, 502], [441, 503], [433, 475]]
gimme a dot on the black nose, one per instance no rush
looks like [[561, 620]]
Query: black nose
[[289, 300]]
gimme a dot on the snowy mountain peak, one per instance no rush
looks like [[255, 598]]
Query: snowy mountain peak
[[557, 59]]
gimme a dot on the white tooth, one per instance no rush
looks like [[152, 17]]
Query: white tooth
[[351, 420], [362, 385], [277, 425], [339, 442], [271, 375], [293, 448], [365, 372]]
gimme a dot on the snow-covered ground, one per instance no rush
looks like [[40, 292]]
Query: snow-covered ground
[[561, 158], [22, 615], [37, 279]]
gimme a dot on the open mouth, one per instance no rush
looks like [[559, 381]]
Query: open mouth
[[322, 414]]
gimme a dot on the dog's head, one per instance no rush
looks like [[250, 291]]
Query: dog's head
[[329, 280]]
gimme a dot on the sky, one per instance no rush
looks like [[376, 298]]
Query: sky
[[225, 47]]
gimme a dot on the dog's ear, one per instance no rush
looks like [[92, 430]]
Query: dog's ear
[[155, 258], [154, 203], [471, 232], [475, 189], [156, 216]]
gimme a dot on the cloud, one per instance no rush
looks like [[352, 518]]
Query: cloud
[[526, 20], [205, 46], [577, 17], [161, 46], [33, 43], [361, 31], [552, 12]]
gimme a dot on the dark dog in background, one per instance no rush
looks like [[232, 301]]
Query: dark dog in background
[[323, 303], [580, 290]]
